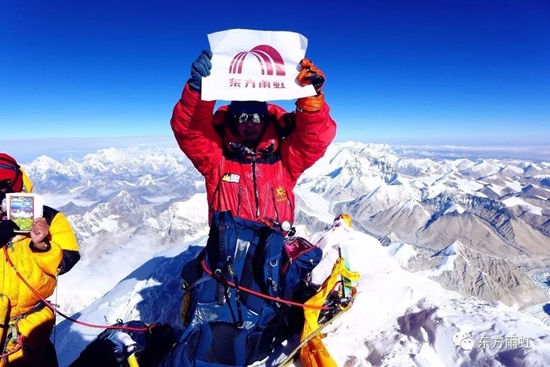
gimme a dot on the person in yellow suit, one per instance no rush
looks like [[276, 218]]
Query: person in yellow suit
[[50, 249]]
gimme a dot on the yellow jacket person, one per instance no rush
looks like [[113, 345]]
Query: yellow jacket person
[[38, 257]]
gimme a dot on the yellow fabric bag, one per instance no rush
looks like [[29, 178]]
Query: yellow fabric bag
[[314, 353]]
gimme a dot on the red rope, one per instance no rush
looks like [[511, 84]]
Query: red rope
[[17, 348], [49, 305], [261, 295]]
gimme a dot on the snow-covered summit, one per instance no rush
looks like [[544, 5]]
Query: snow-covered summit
[[398, 317]]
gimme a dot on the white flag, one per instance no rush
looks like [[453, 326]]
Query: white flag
[[255, 65]]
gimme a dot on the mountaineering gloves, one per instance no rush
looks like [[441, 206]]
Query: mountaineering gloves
[[200, 68], [310, 74], [7, 228]]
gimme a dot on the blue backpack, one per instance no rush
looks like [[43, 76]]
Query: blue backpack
[[230, 310]]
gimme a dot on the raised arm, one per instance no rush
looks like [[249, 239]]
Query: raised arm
[[62, 253], [315, 128], [192, 120], [62, 234]]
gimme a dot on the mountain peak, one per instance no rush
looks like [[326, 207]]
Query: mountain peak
[[454, 248], [123, 202], [397, 317]]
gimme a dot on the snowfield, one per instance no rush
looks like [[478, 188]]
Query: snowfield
[[398, 318]]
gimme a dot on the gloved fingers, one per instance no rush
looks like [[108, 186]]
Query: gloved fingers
[[205, 60], [203, 64], [6, 223], [316, 80], [313, 78], [316, 71], [308, 78], [302, 77], [306, 63], [310, 74], [202, 67], [308, 66], [7, 228]]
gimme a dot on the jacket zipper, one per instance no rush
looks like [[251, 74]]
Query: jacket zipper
[[255, 186], [275, 204], [214, 198], [290, 204], [239, 200]]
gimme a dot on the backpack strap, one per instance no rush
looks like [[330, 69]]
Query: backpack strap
[[222, 261], [231, 251], [222, 254], [268, 262]]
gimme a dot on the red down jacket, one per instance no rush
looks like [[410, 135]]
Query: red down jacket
[[256, 185]]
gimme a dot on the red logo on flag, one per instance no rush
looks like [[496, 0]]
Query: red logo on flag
[[269, 58]]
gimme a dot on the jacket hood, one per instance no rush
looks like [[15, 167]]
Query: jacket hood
[[20, 182], [279, 125], [238, 107], [10, 170]]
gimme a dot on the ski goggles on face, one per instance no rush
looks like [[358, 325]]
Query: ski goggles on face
[[244, 117]]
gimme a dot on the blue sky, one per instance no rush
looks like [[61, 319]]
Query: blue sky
[[411, 72]]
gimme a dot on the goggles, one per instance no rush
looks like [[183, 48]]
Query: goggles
[[244, 117]]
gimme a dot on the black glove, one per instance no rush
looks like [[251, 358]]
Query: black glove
[[311, 74], [200, 68], [160, 339], [7, 228]]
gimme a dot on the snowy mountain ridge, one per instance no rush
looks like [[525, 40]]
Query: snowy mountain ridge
[[398, 318], [142, 201]]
